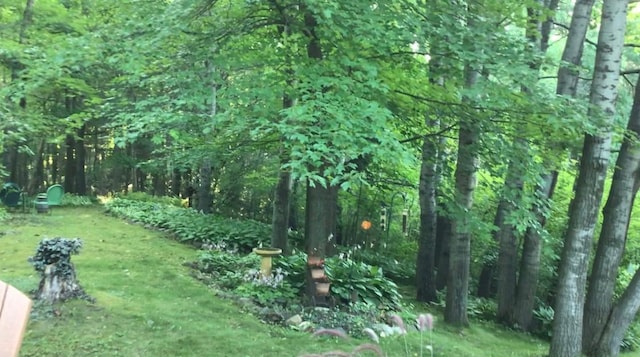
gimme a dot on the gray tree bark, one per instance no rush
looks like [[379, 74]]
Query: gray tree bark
[[621, 317], [455, 312], [425, 262], [280, 218], [583, 213], [508, 251], [428, 192], [69, 164], [530, 261], [516, 293], [205, 196], [282, 194], [81, 155], [617, 210], [572, 54], [322, 202], [566, 86]]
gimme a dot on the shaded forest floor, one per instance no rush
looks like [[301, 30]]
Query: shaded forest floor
[[147, 303]]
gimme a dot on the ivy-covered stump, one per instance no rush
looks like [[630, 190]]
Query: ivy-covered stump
[[57, 274]]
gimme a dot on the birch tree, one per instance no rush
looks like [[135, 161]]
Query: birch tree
[[566, 86], [604, 324], [583, 213]]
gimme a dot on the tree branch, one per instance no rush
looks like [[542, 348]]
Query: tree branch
[[635, 45], [437, 133]]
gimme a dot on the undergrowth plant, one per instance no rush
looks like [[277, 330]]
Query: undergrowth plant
[[354, 280], [70, 199], [353, 318], [266, 290], [3, 214], [190, 226], [145, 197]]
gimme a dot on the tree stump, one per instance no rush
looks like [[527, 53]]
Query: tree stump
[[57, 285], [58, 275]]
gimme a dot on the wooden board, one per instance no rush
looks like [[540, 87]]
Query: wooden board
[[14, 315]]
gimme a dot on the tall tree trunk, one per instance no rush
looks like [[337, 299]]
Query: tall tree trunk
[[530, 262], [425, 262], [282, 194], [96, 161], [81, 154], [619, 320], [443, 249], [613, 234], [537, 34], [487, 278], [205, 199], [280, 217], [583, 213], [37, 178], [572, 54], [70, 165], [176, 183], [508, 249], [567, 80], [455, 312], [140, 181], [54, 153], [321, 205], [428, 198]]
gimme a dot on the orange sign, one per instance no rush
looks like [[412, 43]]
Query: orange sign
[[365, 225]]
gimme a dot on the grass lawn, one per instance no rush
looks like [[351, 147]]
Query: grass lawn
[[147, 304]]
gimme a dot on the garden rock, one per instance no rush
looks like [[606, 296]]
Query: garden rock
[[306, 326], [385, 330], [294, 320]]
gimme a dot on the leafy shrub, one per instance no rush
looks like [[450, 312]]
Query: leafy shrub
[[216, 261], [69, 199], [267, 290], [544, 315], [3, 214], [295, 265], [226, 268], [624, 278], [145, 197], [350, 278], [397, 270], [482, 309], [631, 339], [191, 226]]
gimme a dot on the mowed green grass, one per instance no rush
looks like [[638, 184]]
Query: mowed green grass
[[147, 304]]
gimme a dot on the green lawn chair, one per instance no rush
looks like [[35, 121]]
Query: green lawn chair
[[54, 195]]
